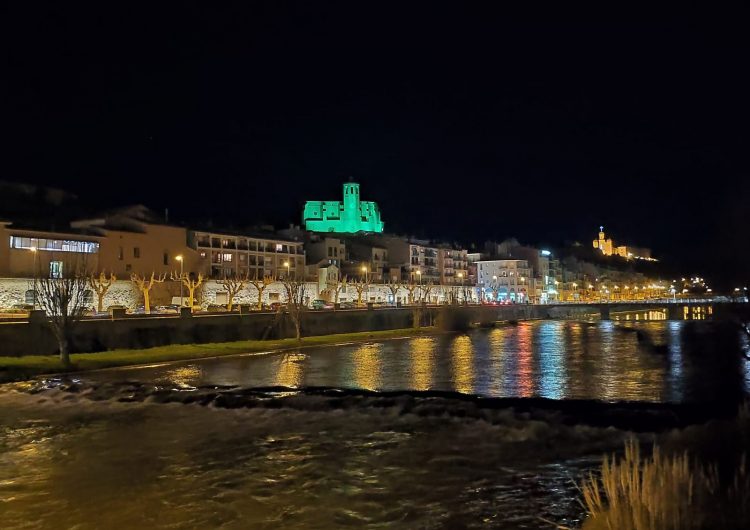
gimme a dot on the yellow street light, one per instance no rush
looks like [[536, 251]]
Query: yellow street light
[[179, 258]]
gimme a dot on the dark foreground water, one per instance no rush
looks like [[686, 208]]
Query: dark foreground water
[[198, 445]]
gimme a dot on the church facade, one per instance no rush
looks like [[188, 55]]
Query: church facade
[[348, 216]]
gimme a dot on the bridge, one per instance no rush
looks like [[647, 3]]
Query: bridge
[[673, 309]]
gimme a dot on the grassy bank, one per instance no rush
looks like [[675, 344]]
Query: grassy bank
[[20, 368]]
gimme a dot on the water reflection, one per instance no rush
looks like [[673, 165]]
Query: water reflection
[[462, 359], [421, 355], [625, 360], [290, 370], [552, 370], [366, 366]]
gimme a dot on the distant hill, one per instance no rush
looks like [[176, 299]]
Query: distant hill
[[40, 207]]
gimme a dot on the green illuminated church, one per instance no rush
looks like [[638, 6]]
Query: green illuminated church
[[349, 216]]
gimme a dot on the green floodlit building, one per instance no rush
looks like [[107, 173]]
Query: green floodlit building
[[349, 216]]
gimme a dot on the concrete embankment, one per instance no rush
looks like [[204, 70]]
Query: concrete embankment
[[137, 332]]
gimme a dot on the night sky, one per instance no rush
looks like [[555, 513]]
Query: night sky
[[460, 123]]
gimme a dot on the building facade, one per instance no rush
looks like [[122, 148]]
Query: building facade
[[607, 247], [253, 256], [511, 279], [350, 216]]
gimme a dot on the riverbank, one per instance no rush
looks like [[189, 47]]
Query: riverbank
[[27, 367]]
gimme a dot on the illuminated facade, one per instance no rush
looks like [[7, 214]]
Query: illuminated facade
[[608, 248], [348, 216]]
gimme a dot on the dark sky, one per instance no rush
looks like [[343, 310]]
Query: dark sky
[[460, 122]]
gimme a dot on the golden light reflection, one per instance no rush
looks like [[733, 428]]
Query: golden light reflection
[[421, 353], [525, 361], [290, 371], [184, 375], [367, 366], [462, 357]]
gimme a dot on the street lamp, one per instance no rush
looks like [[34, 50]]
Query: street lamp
[[364, 270], [575, 291], [494, 287], [179, 258], [33, 271], [288, 274]]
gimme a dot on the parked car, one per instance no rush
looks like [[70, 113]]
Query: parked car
[[21, 308], [348, 305], [170, 308], [216, 308], [321, 304]]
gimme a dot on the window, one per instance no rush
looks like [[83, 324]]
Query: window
[[330, 252], [226, 257], [279, 246], [128, 267], [55, 269], [166, 258], [203, 254], [58, 245], [30, 297], [120, 254], [136, 252]]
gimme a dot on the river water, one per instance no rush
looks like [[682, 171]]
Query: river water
[[411, 433]]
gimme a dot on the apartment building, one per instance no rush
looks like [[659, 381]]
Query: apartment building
[[511, 279], [453, 265], [253, 255]]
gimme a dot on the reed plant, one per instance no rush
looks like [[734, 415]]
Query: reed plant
[[665, 492]]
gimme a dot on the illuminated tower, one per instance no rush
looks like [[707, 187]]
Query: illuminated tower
[[350, 216]]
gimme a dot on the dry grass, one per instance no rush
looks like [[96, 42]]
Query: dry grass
[[664, 493]]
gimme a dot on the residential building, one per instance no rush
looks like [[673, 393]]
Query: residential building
[[135, 241], [321, 249], [351, 215], [417, 258], [453, 265], [511, 278], [253, 255], [367, 259]]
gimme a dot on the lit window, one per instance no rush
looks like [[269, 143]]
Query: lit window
[[55, 269], [226, 257], [279, 246], [58, 245]]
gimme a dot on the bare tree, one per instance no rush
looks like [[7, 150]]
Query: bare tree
[[261, 284], [426, 289], [360, 286], [393, 286], [234, 284], [295, 301], [191, 282], [100, 285], [64, 300], [145, 285], [340, 287], [410, 287]]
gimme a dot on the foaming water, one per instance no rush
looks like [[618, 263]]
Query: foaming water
[[452, 431], [75, 460]]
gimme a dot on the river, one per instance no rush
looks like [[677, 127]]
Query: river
[[415, 433]]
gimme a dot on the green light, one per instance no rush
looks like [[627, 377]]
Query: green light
[[349, 216]]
